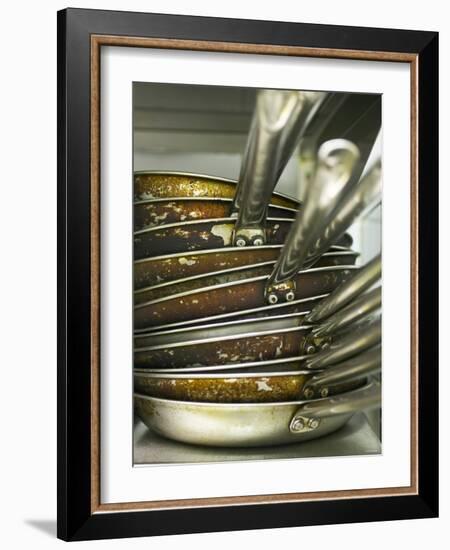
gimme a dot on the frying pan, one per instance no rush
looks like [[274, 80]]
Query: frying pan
[[259, 386], [253, 424], [168, 267], [266, 339], [164, 184], [198, 235], [361, 308], [232, 297], [286, 308], [222, 276], [218, 330], [334, 170], [251, 346], [221, 232], [154, 212]]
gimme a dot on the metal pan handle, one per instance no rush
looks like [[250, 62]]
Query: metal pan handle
[[351, 343], [346, 292], [360, 308], [310, 414], [336, 160], [279, 119], [362, 197], [355, 368]]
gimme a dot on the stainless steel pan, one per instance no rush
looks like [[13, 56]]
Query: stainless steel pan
[[155, 212], [150, 185], [218, 330], [252, 346], [253, 424], [259, 386], [222, 276], [198, 235], [232, 297], [286, 308], [334, 170], [227, 344], [361, 308], [169, 267]]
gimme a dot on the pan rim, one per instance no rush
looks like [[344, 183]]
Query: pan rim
[[236, 322], [223, 338], [222, 221], [233, 269], [192, 322], [207, 404], [229, 366], [334, 249], [242, 281], [230, 376], [206, 199], [203, 275], [202, 176]]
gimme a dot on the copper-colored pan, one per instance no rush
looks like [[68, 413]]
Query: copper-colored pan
[[198, 235], [219, 330], [272, 365], [360, 310], [232, 388], [262, 345], [234, 296], [285, 308], [155, 212], [169, 267], [162, 184], [259, 339], [222, 276]]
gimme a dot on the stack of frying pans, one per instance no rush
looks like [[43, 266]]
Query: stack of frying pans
[[252, 324]]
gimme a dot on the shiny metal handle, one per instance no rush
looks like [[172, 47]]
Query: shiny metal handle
[[280, 117], [318, 106], [355, 368], [351, 343], [309, 415], [311, 138], [346, 292], [363, 196], [336, 159], [360, 308]]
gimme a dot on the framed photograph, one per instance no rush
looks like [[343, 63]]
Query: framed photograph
[[247, 255]]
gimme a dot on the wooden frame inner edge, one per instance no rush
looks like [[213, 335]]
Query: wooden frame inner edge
[[110, 40]]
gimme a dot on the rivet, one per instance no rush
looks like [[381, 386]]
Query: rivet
[[313, 423], [297, 425], [310, 349], [258, 241], [273, 299], [290, 296], [240, 242], [308, 393], [324, 392]]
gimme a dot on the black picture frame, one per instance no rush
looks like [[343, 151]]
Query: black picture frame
[[76, 518]]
